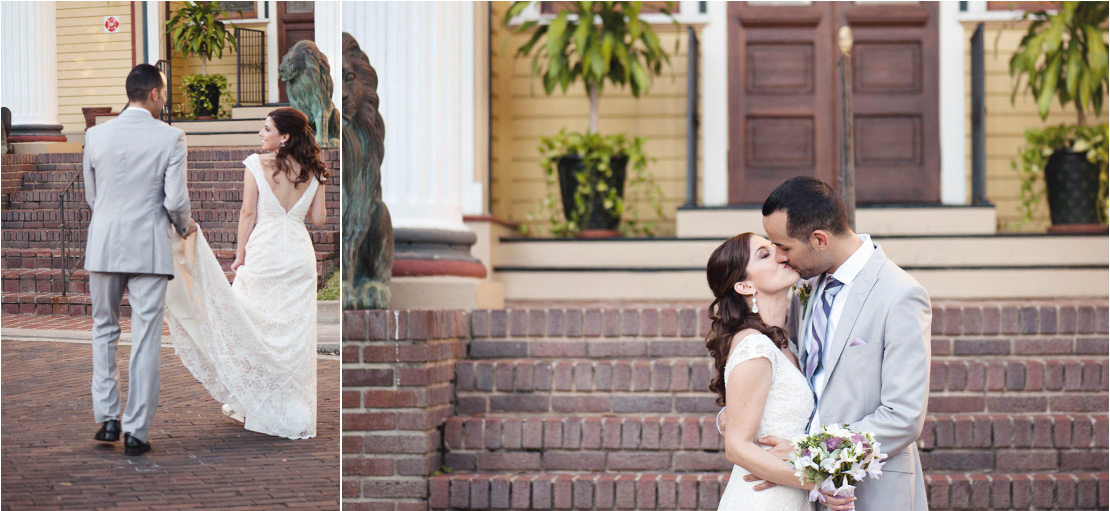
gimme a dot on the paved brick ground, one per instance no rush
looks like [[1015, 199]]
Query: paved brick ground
[[45, 322], [201, 459]]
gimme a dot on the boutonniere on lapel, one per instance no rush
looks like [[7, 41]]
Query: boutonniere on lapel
[[803, 292]]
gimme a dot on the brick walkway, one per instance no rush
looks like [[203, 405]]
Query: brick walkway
[[201, 459], [36, 322]]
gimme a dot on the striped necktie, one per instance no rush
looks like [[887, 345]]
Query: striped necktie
[[815, 348]]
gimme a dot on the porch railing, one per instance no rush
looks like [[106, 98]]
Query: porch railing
[[250, 66], [74, 216], [167, 111]]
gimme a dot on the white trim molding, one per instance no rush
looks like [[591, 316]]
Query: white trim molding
[[952, 106], [714, 106]]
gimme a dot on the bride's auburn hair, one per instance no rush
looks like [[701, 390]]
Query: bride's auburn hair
[[729, 312], [300, 147]]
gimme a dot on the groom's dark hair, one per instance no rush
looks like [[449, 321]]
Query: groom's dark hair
[[142, 79], [810, 204]]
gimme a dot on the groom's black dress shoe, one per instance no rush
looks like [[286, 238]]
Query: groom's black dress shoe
[[109, 431], [133, 446]]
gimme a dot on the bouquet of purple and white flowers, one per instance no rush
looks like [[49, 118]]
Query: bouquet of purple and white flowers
[[835, 460]]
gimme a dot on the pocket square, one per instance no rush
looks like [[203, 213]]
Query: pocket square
[[858, 341]]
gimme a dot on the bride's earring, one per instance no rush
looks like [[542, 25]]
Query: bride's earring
[[755, 307]]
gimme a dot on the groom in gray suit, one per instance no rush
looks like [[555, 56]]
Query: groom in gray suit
[[135, 183], [862, 335]]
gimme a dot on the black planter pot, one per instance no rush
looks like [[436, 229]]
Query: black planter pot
[[1071, 184], [599, 219], [212, 91]]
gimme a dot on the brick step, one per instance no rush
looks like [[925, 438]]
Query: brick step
[[200, 197], [616, 386], [682, 444], [957, 490], [224, 238], [18, 258], [38, 218], [968, 347], [44, 304], [952, 319], [50, 281], [56, 179]]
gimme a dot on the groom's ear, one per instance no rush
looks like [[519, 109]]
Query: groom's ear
[[819, 240]]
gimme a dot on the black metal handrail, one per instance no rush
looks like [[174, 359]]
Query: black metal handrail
[[166, 115], [73, 220], [250, 66]]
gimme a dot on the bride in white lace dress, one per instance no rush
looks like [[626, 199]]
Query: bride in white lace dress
[[253, 344], [758, 377]]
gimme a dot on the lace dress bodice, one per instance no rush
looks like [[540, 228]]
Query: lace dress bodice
[[790, 400], [253, 344], [785, 414]]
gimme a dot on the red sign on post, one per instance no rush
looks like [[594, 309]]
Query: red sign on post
[[111, 24]]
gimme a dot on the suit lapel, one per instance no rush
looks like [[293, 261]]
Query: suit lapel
[[857, 297]]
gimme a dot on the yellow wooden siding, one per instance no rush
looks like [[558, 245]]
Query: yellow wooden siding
[[1006, 123], [92, 64], [521, 113]]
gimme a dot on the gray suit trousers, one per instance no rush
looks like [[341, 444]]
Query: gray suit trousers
[[147, 295]]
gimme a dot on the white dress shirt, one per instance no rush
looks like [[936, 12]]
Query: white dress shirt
[[138, 109], [846, 274]]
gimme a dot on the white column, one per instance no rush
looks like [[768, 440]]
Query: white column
[[423, 55], [714, 106], [952, 105], [29, 83], [273, 60], [155, 33], [329, 39]]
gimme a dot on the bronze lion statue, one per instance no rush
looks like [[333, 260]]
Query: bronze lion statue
[[367, 227], [308, 84]]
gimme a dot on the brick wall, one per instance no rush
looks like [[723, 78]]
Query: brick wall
[[601, 407], [397, 393]]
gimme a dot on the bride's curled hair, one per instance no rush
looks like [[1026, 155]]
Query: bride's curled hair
[[301, 147], [730, 312]]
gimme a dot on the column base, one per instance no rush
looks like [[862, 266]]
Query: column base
[[45, 147], [431, 252], [445, 293], [36, 133]]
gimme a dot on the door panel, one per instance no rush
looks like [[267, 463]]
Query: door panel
[[784, 98], [779, 57], [296, 22]]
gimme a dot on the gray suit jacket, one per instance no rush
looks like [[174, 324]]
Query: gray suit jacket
[[135, 183], [881, 386]]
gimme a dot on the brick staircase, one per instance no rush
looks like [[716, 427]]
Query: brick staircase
[[32, 238], [561, 408]]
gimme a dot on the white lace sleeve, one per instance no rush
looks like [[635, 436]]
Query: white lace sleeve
[[752, 346]]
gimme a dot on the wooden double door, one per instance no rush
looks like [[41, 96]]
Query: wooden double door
[[785, 98]]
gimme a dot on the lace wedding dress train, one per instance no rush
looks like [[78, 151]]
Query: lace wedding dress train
[[785, 415], [253, 344]]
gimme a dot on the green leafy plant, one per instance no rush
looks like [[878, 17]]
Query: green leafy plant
[[196, 94], [598, 43], [1039, 146], [596, 152], [195, 30], [330, 288], [1062, 55], [621, 49]]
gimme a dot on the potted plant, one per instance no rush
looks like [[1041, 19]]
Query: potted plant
[[195, 29], [1064, 56], [597, 43]]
